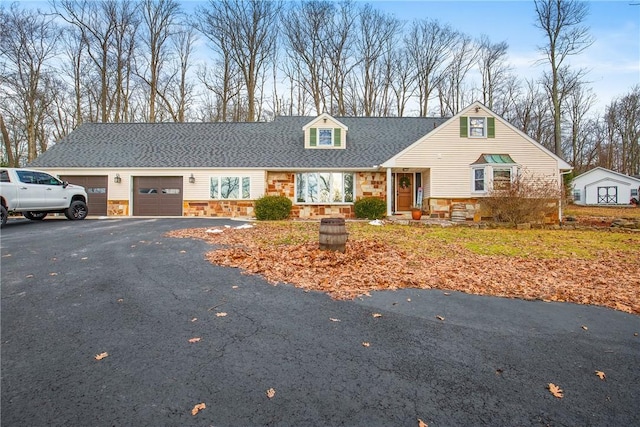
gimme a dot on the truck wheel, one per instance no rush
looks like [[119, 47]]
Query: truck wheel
[[35, 216], [77, 210], [3, 215]]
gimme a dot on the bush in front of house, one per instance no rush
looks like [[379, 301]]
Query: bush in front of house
[[370, 208], [272, 208], [527, 198]]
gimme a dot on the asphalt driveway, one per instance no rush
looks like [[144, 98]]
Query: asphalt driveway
[[276, 355]]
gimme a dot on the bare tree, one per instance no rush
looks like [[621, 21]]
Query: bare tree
[[562, 22], [623, 119], [428, 44], [493, 68], [305, 28], [577, 106], [452, 90], [246, 31], [339, 51], [374, 44], [159, 20], [28, 42]]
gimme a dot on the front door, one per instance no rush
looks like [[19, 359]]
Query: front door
[[404, 191]]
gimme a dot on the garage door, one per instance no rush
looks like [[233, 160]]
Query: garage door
[[157, 196], [96, 187]]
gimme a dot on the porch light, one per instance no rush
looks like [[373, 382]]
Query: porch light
[[117, 179], [192, 179]]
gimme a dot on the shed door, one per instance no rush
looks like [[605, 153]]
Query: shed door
[[97, 188], [157, 196]]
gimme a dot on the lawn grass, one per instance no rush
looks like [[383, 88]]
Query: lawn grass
[[602, 211], [436, 241]]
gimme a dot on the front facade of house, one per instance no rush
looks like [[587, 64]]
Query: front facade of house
[[600, 186], [323, 164]]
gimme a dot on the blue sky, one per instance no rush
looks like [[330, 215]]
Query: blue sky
[[613, 60]]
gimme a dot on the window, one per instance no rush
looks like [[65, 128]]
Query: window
[[230, 187], [501, 179], [4, 176], [576, 194], [324, 187], [325, 137], [478, 179], [490, 177], [477, 128], [34, 177]]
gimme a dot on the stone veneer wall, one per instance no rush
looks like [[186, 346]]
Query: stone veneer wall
[[117, 207], [443, 208], [218, 208]]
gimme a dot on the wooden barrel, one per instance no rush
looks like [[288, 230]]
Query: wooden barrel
[[459, 212], [333, 234]]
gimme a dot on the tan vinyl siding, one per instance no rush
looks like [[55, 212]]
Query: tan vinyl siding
[[448, 156], [196, 191]]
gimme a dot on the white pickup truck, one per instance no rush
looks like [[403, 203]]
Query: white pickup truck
[[35, 194]]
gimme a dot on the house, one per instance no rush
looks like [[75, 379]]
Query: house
[[323, 164], [600, 186]]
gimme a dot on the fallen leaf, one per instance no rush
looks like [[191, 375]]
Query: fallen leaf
[[183, 252], [101, 356], [194, 339], [84, 258], [6, 256], [447, 293], [377, 315], [53, 274], [334, 320], [234, 287], [409, 299], [584, 327], [270, 393], [365, 344], [194, 319], [635, 334], [601, 375], [29, 276], [221, 314], [555, 390], [198, 408], [439, 317], [422, 423], [120, 299]]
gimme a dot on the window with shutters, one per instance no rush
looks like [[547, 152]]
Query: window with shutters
[[477, 127], [325, 137]]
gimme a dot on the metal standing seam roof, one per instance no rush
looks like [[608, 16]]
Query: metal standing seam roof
[[494, 159], [278, 144]]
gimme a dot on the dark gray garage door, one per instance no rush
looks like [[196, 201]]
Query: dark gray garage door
[[96, 187], [157, 196]]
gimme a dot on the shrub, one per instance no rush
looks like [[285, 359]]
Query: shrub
[[370, 208], [528, 198], [272, 208]]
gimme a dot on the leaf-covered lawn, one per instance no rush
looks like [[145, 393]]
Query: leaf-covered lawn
[[580, 266]]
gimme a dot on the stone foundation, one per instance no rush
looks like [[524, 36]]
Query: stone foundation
[[118, 208], [218, 208]]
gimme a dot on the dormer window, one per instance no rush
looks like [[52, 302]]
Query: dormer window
[[325, 137], [325, 132]]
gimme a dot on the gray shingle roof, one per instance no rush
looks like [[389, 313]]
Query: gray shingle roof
[[277, 144]]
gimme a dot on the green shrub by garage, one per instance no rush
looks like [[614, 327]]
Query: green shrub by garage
[[370, 208], [272, 208]]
